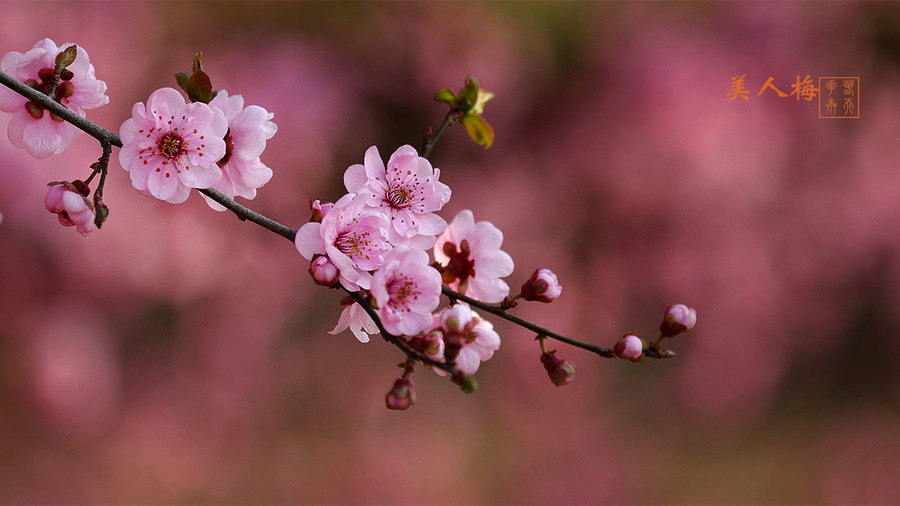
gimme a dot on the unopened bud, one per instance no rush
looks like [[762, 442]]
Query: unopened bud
[[543, 286], [466, 383], [323, 272], [630, 347], [561, 372], [319, 210], [431, 345], [66, 74], [402, 395], [679, 318]]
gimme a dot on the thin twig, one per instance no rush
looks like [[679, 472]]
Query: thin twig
[[60, 110], [246, 214], [400, 343], [498, 311]]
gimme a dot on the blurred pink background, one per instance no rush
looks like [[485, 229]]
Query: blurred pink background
[[181, 356]]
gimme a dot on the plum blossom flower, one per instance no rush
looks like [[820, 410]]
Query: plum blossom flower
[[543, 286], [248, 130], [45, 134], [407, 191], [469, 340], [406, 290], [471, 259], [170, 147], [355, 318], [352, 237], [679, 318], [71, 206]]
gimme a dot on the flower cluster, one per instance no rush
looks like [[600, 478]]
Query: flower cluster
[[375, 240], [170, 147]]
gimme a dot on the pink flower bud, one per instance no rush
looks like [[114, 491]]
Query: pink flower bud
[[323, 271], [543, 286], [402, 395], [319, 210], [431, 345], [71, 206], [630, 347], [679, 318], [561, 372]]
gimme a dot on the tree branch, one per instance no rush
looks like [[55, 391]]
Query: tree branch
[[541, 331], [108, 139], [455, 373], [60, 110]]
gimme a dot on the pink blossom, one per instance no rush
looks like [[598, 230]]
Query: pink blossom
[[407, 190], [630, 347], [45, 134], [543, 286], [472, 260], [170, 147], [71, 206], [679, 318], [248, 130], [352, 237], [355, 318], [469, 340], [406, 290]]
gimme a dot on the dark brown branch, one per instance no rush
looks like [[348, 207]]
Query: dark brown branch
[[246, 214], [541, 331], [108, 139], [455, 373], [53, 106]]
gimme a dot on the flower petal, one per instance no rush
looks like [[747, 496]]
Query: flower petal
[[309, 240]]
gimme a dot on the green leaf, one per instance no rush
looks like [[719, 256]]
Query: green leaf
[[479, 130], [199, 87], [468, 96], [483, 98], [445, 95], [198, 65], [67, 57], [182, 79]]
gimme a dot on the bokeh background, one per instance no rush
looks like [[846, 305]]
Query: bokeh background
[[181, 356]]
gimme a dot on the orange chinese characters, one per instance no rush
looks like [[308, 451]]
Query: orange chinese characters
[[738, 89], [768, 84], [804, 89], [830, 106]]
